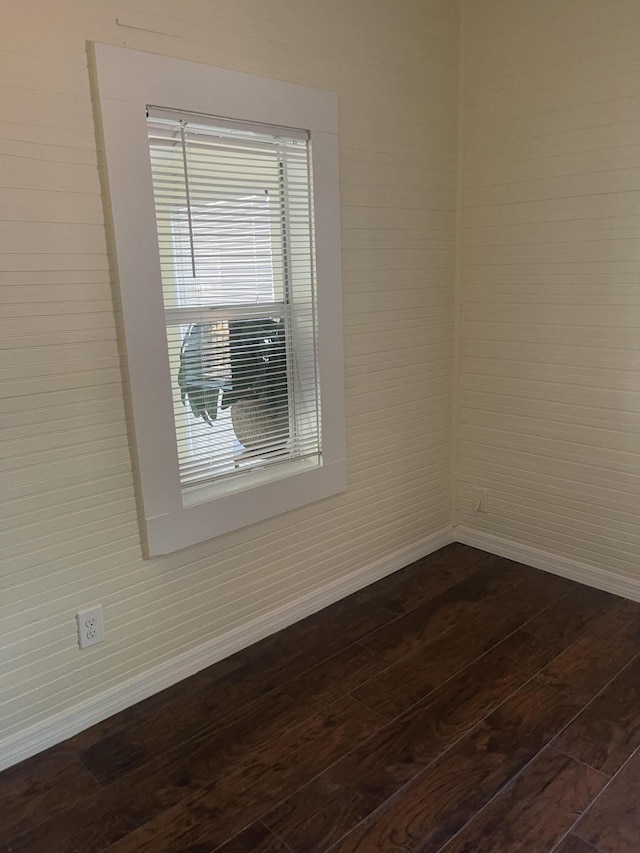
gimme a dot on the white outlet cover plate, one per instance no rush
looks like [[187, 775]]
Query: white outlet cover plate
[[90, 626]]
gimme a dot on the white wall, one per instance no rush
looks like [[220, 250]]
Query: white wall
[[549, 381], [68, 504]]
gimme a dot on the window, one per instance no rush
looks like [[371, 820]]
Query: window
[[233, 213], [223, 189]]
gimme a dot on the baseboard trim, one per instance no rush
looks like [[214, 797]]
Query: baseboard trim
[[548, 562], [68, 723]]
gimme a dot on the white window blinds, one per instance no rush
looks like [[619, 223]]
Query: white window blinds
[[233, 211]]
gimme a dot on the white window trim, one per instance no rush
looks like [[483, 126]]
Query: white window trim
[[127, 82]]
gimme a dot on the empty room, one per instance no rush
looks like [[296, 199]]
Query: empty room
[[320, 498]]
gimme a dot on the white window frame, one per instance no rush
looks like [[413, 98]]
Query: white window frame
[[128, 81]]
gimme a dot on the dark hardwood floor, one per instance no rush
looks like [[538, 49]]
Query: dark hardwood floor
[[467, 704]]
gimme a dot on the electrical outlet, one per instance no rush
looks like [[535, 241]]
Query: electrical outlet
[[90, 626], [480, 499]]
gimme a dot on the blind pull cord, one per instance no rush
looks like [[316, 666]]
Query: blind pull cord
[[183, 138]]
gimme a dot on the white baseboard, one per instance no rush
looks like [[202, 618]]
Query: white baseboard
[[68, 723], [539, 559]]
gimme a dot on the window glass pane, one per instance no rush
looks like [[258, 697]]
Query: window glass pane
[[233, 210]]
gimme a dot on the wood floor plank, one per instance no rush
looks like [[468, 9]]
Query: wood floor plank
[[534, 812], [457, 557], [120, 745], [255, 839], [426, 578], [305, 644], [222, 803], [573, 844], [414, 676], [612, 824], [425, 622], [567, 619], [210, 680], [331, 805], [130, 739], [258, 731], [608, 645], [406, 589], [441, 799], [456, 605], [89, 825], [336, 676], [47, 784], [607, 732]]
